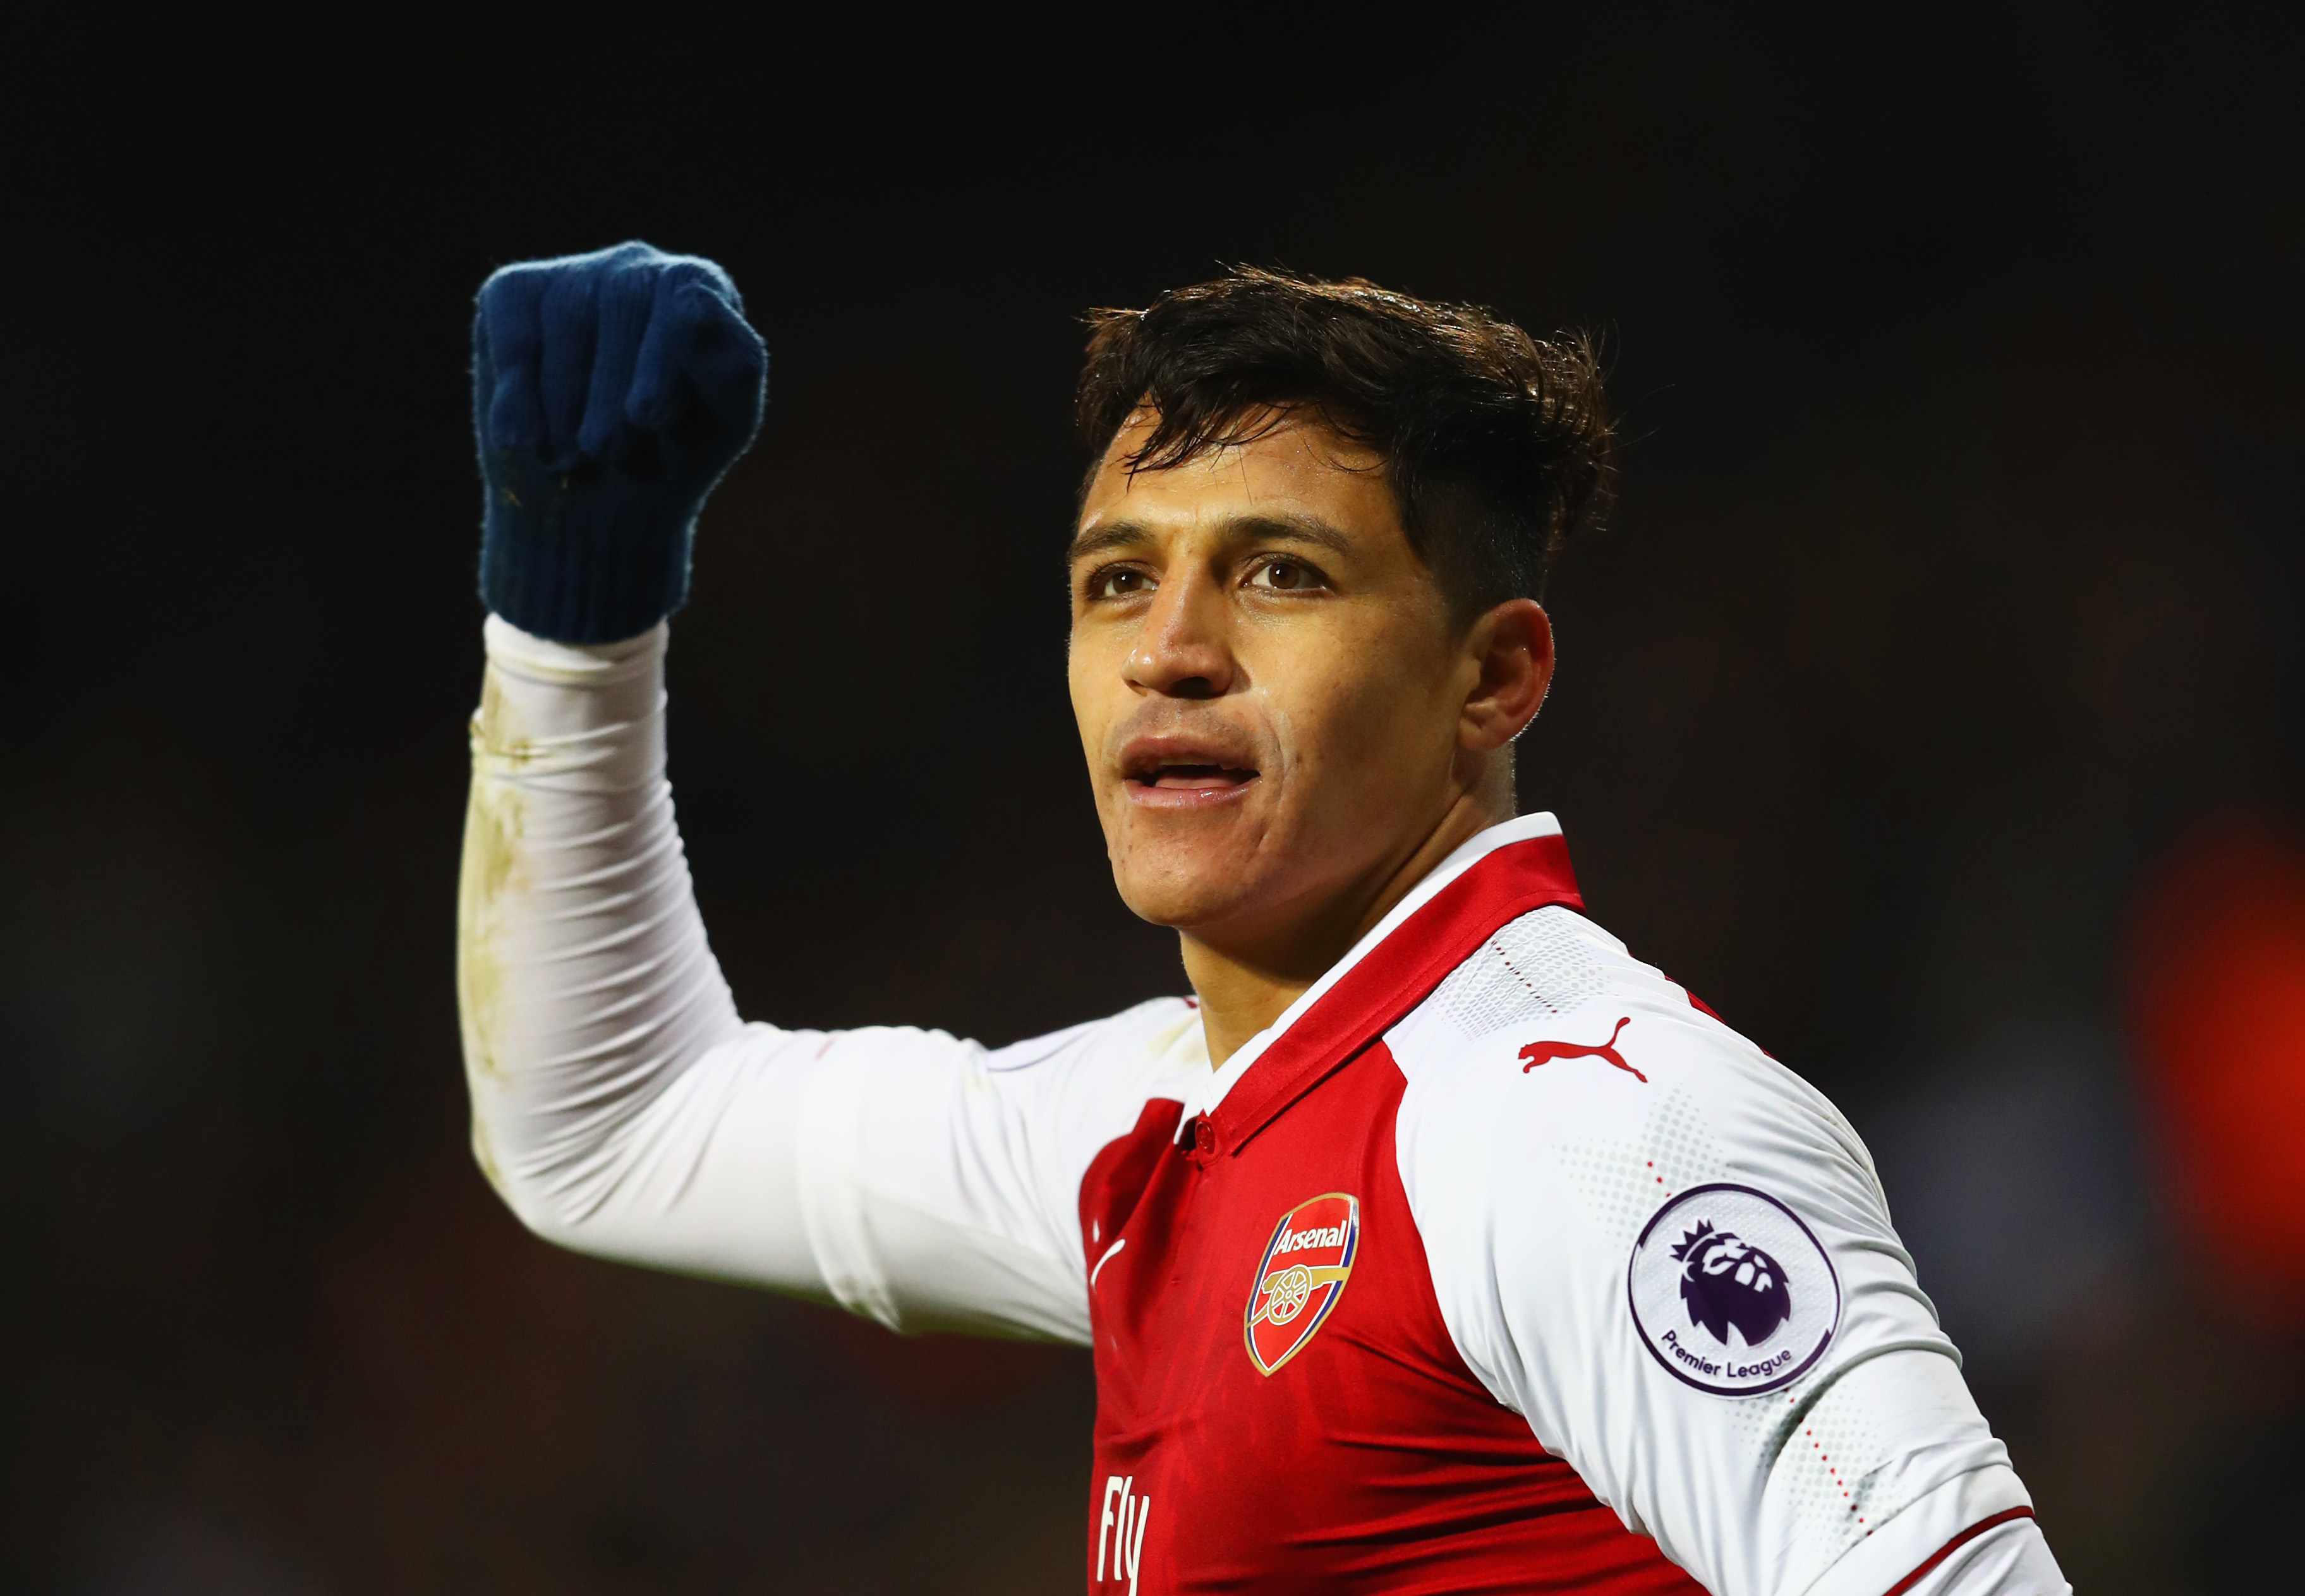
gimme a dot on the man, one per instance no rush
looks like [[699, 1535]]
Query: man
[[1435, 1243]]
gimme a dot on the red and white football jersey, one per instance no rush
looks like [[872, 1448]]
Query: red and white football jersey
[[1497, 1263]]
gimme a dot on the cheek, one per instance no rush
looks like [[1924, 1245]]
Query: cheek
[[1087, 677], [1364, 711], [1084, 715]]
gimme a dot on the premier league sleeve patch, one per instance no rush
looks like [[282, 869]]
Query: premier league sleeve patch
[[1300, 1276], [1731, 1291]]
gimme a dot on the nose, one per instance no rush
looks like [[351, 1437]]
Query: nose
[[1181, 650]]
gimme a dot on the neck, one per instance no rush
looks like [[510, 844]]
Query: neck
[[1245, 984]]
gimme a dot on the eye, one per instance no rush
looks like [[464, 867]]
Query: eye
[[1120, 581], [1277, 573]]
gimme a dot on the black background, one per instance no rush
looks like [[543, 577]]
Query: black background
[[1952, 589]]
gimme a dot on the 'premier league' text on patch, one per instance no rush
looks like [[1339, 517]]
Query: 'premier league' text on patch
[[1300, 1276], [1731, 1291]]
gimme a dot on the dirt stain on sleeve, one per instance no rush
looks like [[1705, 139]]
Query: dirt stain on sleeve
[[494, 877], [498, 737]]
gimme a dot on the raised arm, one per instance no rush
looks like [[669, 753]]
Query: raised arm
[[619, 1104], [616, 1104]]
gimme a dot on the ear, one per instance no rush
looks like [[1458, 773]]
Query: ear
[[1511, 647]]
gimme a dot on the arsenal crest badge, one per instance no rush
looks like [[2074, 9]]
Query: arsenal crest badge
[[1300, 1276]]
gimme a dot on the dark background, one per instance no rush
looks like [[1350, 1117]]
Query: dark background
[[1951, 604]]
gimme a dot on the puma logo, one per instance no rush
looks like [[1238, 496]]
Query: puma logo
[[1539, 1053]]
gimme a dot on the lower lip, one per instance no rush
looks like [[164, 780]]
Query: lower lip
[[1145, 795]]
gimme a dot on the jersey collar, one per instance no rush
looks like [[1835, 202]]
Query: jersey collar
[[1497, 876]]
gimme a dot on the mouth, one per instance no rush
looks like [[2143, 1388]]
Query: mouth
[[1180, 773]]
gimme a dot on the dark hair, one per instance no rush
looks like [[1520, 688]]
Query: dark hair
[[1497, 446]]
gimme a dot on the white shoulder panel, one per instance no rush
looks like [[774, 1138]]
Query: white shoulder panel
[[1672, 1256], [941, 1186]]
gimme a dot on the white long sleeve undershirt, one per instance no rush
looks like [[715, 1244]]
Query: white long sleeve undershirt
[[619, 1104]]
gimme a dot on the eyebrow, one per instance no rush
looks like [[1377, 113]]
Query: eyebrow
[[1239, 529]]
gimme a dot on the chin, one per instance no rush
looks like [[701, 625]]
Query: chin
[[1184, 893]]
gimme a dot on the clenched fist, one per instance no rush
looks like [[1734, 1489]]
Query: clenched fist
[[611, 392]]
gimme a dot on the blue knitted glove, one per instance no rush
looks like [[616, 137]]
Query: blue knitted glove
[[611, 392]]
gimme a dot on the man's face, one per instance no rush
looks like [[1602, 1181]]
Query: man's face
[[1267, 680]]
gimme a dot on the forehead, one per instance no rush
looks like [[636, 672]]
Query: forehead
[[1294, 469]]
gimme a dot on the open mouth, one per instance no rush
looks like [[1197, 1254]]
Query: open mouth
[[1185, 777], [1183, 770]]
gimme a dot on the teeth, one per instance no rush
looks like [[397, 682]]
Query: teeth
[[1223, 772], [1189, 767]]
